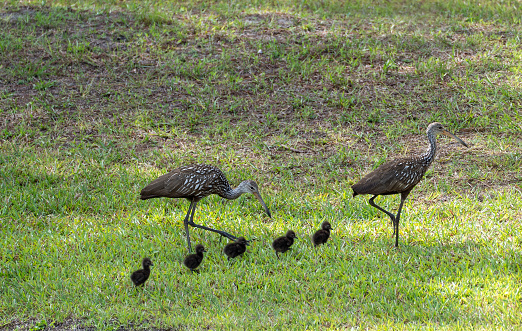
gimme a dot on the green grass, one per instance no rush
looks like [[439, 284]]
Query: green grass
[[98, 98]]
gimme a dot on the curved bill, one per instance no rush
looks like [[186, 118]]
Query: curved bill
[[258, 196], [449, 134]]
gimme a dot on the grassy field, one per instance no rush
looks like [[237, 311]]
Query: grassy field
[[97, 98]]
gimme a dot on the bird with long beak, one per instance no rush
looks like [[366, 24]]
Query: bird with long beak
[[401, 175], [195, 182]]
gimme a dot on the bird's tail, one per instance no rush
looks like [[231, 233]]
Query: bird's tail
[[146, 197]]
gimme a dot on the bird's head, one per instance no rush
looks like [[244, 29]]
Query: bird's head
[[436, 128], [291, 234], [242, 240], [147, 262], [326, 226], [249, 186], [200, 249]]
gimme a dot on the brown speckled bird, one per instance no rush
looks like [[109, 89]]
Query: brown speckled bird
[[236, 248], [401, 175], [139, 277], [321, 236], [282, 244], [192, 261], [195, 182]]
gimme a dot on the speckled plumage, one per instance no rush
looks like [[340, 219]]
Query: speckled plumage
[[139, 277], [401, 175], [236, 248], [283, 244], [321, 236], [194, 182]]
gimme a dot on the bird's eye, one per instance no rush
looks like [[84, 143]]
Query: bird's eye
[[252, 188]]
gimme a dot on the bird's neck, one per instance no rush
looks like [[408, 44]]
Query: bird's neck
[[429, 155], [232, 194], [200, 254], [146, 267]]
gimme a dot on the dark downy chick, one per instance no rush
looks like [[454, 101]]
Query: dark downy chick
[[236, 248], [321, 236], [192, 261], [282, 244], [139, 277]]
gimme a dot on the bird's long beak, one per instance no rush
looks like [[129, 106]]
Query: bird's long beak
[[449, 134], [258, 196]]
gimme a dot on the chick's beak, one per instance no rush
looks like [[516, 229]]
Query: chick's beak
[[449, 134], [258, 196]]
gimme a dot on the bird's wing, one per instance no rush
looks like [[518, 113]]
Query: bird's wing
[[185, 181], [391, 177], [137, 277], [321, 236]]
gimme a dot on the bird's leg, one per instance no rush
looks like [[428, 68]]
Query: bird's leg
[[372, 203], [396, 225], [223, 233], [190, 211], [277, 254]]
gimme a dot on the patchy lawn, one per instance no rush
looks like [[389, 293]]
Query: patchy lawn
[[99, 98]]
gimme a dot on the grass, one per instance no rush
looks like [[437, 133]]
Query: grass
[[97, 98]]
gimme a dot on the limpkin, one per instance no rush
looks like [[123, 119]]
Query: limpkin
[[139, 277], [282, 244], [195, 182], [192, 261], [401, 175], [321, 236], [236, 248]]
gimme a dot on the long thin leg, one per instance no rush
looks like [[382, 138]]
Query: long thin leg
[[190, 211], [372, 203], [396, 224], [223, 233]]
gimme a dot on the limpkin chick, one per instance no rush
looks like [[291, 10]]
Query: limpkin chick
[[139, 277], [195, 182], [401, 175], [321, 236], [192, 261], [236, 248], [282, 244]]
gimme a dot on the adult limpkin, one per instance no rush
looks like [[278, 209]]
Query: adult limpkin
[[194, 182], [401, 175]]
